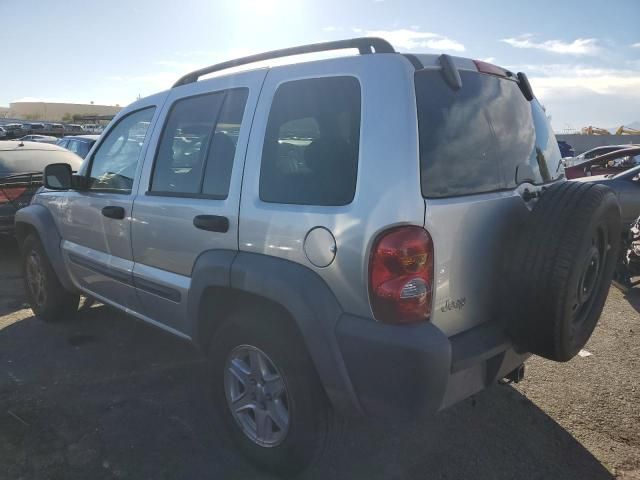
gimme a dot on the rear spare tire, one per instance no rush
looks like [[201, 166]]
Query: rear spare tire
[[559, 273]]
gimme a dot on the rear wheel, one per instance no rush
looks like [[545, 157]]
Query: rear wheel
[[46, 295], [264, 387]]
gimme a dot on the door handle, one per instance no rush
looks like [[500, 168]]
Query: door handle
[[113, 212], [213, 223]]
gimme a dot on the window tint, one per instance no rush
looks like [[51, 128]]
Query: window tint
[[481, 138], [310, 152], [196, 151], [115, 161], [217, 174]]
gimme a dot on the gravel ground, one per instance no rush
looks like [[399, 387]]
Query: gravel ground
[[105, 396]]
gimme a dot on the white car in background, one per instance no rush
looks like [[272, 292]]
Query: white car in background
[[38, 138]]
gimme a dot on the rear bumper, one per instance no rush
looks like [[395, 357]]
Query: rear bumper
[[408, 370]]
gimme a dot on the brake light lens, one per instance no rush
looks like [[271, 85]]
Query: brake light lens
[[491, 69], [401, 276], [9, 194]]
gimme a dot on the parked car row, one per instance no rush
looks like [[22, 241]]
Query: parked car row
[[10, 131]]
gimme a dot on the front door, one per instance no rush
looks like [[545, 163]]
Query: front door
[[96, 221]]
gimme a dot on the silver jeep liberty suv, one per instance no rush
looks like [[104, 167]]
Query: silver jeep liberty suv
[[375, 234]]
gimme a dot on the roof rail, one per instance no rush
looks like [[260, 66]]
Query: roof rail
[[365, 45]]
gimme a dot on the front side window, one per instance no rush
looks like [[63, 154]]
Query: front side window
[[311, 145], [198, 144], [114, 163]]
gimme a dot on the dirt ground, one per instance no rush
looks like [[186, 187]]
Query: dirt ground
[[105, 396]]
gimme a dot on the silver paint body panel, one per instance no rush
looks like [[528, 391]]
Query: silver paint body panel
[[158, 244]]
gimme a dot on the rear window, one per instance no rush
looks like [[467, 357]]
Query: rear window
[[481, 138], [28, 161]]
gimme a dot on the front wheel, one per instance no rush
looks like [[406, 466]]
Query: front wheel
[[265, 388], [46, 295]]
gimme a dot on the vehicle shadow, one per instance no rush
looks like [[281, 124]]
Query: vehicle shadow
[[103, 395], [11, 289], [633, 297]]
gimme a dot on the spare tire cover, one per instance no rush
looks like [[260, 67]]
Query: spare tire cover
[[559, 269]]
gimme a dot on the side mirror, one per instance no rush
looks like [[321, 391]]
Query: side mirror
[[57, 176]]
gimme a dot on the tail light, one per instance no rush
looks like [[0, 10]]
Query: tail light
[[491, 69], [401, 276], [8, 194]]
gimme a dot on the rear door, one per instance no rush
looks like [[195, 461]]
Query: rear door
[[481, 146], [96, 223], [190, 189]]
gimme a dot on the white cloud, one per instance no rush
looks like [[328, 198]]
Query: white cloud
[[407, 39], [550, 78], [580, 46], [636, 45], [578, 95]]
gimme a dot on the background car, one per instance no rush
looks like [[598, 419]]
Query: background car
[[21, 166], [566, 150], [13, 130], [609, 163], [73, 128], [38, 138], [595, 152], [78, 144], [626, 186], [92, 128], [3, 132], [32, 127], [54, 127]]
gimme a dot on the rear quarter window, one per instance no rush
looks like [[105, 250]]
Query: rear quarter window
[[481, 138], [311, 145]]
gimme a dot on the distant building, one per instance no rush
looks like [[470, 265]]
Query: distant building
[[57, 112], [4, 112]]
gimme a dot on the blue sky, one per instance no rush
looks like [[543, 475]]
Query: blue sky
[[583, 57]]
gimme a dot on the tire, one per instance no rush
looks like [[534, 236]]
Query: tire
[[311, 422], [47, 297], [559, 274]]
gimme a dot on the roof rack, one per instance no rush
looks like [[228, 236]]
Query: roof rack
[[365, 45]]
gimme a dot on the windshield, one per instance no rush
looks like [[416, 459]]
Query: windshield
[[483, 137]]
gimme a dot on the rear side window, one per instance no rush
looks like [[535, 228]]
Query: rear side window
[[198, 144], [481, 138], [310, 152]]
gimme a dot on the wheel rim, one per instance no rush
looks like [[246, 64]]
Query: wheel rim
[[592, 269], [257, 396], [36, 280]]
